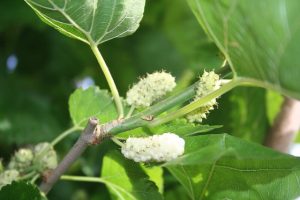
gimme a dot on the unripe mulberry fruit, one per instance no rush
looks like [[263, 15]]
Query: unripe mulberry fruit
[[156, 148], [150, 89], [8, 176], [21, 160], [48, 160], [208, 83]]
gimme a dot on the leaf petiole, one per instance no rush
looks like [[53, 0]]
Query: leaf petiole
[[109, 78], [82, 179], [132, 108], [117, 141]]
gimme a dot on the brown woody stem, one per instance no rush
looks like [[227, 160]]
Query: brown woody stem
[[285, 127], [84, 140], [93, 134]]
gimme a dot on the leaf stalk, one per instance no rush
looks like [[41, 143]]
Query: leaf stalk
[[109, 79]]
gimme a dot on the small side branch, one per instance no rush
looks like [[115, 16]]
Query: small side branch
[[286, 126]]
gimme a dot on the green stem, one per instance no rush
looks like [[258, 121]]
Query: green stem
[[164, 105], [82, 179], [64, 134], [132, 108], [27, 176], [33, 167], [34, 178], [117, 141], [138, 121], [196, 104], [110, 80], [98, 180]]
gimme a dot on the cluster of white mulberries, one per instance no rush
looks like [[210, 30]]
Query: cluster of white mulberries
[[42, 157], [209, 82], [156, 148], [149, 89]]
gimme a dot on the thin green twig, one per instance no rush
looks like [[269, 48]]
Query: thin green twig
[[82, 178], [132, 108], [65, 134], [117, 141]]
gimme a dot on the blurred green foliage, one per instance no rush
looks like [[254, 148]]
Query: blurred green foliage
[[34, 96]]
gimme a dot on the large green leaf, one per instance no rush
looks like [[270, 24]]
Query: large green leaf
[[243, 113], [155, 174], [259, 39], [199, 54], [91, 21], [126, 179], [248, 115], [225, 167], [91, 102], [21, 191]]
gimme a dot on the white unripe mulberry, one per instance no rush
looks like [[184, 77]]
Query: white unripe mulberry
[[150, 89], [208, 83], [45, 156], [21, 160], [156, 148], [24, 155], [8, 176]]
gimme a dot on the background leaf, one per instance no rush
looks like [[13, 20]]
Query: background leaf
[[93, 21], [243, 112], [21, 191], [155, 174], [248, 119], [126, 179], [27, 116], [176, 193], [225, 167], [273, 102], [91, 102], [259, 38]]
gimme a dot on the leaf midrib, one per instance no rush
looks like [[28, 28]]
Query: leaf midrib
[[87, 34], [69, 19]]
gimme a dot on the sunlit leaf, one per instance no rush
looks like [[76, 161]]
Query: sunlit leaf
[[259, 38], [126, 179], [91, 21], [225, 167], [155, 174]]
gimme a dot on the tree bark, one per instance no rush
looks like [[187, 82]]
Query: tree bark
[[285, 127]]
